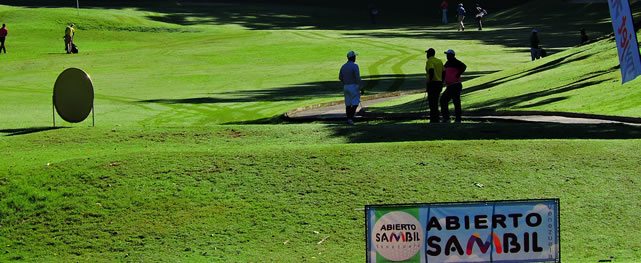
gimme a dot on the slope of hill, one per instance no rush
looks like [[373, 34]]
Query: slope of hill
[[584, 79]]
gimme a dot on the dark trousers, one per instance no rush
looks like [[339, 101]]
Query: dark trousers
[[434, 89], [452, 92], [2, 47], [350, 111], [68, 44]]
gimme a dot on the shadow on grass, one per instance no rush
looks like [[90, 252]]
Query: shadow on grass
[[23, 131], [513, 102], [547, 66], [522, 101], [374, 84], [393, 132], [558, 21]]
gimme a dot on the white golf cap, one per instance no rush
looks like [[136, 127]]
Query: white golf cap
[[351, 54], [449, 51]]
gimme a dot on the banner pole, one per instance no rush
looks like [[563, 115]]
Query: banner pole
[[53, 110]]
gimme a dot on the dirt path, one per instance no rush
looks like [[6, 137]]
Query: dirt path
[[336, 112]]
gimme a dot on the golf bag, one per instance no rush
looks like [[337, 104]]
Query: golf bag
[[74, 48]]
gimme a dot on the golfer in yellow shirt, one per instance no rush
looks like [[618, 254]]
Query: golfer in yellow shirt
[[435, 74]]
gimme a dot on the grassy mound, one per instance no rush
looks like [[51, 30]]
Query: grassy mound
[[237, 193]]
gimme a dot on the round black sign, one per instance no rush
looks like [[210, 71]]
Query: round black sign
[[73, 95]]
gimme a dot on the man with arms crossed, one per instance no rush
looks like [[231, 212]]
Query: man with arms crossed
[[454, 68]]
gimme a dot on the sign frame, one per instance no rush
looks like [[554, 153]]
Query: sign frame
[[73, 96], [557, 217]]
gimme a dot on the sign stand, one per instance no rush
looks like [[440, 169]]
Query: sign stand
[[53, 113], [73, 97]]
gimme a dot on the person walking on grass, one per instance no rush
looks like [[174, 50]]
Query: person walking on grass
[[480, 13], [444, 6], [535, 45], [3, 37], [350, 76], [69, 34], [435, 74], [460, 12], [454, 68]]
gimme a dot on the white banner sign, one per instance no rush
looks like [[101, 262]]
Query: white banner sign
[[626, 38], [482, 232]]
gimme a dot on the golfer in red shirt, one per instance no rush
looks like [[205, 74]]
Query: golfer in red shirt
[[3, 36]]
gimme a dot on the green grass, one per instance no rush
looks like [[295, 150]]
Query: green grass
[[239, 193], [583, 79], [150, 73], [161, 178]]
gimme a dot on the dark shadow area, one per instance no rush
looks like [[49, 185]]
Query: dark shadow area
[[23, 131], [509, 26], [279, 119], [375, 84], [394, 132], [547, 66], [513, 102], [266, 14], [543, 102], [557, 22]]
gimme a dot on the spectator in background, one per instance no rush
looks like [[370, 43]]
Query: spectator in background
[[584, 37], [460, 12], [3, 37], [373, 13], [69, 33], [535, 45], [480, 13], [444, 7]]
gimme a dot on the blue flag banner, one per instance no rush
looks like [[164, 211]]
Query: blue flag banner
[[501, 231], [626, 38]]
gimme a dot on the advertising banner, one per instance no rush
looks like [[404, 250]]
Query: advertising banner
[[626, 38], [500, 231]]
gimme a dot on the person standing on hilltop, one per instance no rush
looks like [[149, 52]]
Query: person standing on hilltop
[[480, 13], [535, 45], [3, 36], [444, 6], [584, 37], [460, 11]]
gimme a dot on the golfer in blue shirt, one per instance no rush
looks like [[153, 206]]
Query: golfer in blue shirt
[[350, 76]]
